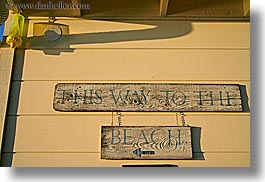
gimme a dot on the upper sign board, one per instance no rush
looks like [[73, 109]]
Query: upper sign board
[[140, 97]]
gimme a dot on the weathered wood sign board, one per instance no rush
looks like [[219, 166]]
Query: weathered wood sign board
[[144, 142], [146, 97]]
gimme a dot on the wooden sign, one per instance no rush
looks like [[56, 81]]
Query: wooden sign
[[146, 97], [144, 142]]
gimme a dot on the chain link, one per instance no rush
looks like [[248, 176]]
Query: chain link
[[51, 19]]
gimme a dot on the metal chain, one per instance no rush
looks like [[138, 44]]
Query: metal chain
[[183, 118], [177, 119], [112, 119], [119, 118]]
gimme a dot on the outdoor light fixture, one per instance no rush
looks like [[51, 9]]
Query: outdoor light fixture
[[52, 32], [14, 38]]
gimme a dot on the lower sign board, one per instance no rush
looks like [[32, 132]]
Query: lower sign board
[[111, 97], [145, 142]]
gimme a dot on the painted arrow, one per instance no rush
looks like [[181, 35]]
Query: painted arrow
[[139, 152]]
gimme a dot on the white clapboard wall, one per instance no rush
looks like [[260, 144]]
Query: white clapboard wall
[[127, 52]]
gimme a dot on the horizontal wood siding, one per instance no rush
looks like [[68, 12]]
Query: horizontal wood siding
[[221, 133], [149, 65], [128, 52], [90, 159]]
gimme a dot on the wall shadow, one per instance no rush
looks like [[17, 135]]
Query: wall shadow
[[196, 143], [244, 98], [8, 142], [12, 108], [151, 165], [9, 134], [160, 30]]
